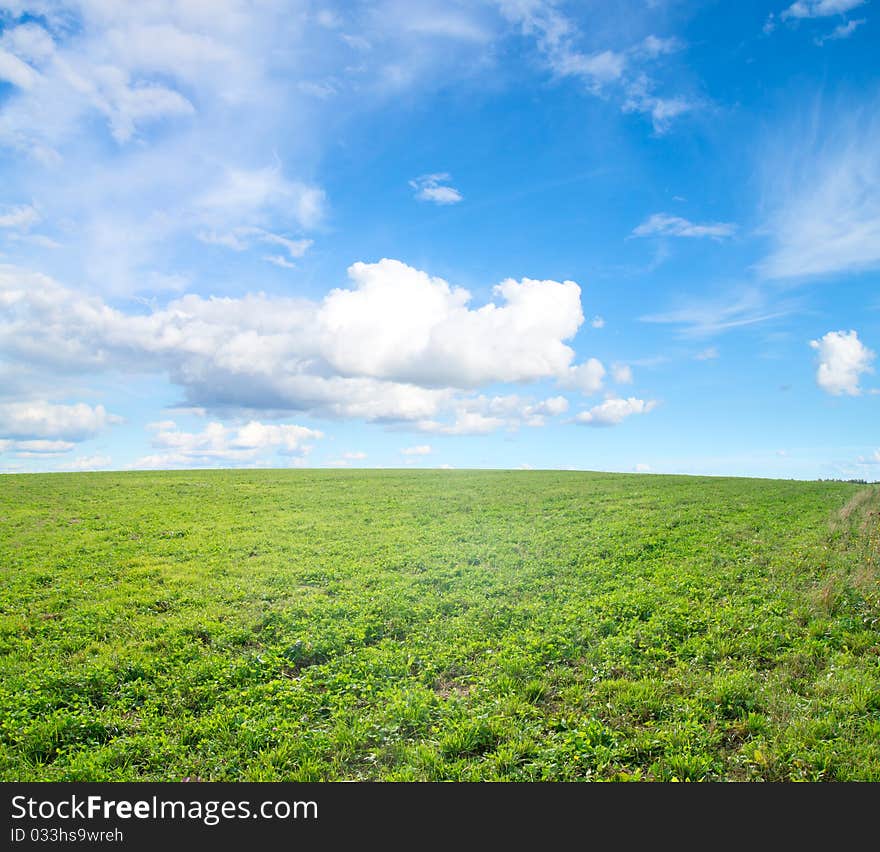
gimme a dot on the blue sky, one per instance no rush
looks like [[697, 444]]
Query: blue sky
[[641, 236]]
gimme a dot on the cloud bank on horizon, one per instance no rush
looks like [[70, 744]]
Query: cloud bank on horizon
[[291, 233]]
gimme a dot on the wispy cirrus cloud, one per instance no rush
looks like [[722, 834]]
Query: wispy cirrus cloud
[[664, 225], [701, 317], [822, 193], [841, 31]]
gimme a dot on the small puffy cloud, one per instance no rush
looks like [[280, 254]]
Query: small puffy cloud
[[597, 322], [45, 420], [642, 468], [96, 462], [874, 458], [553, 406], [613, 411], [640, 98], [819, 8], [435, 188], [710, 353], [355, 456], [286, 438], [420, 450], [218, 444], [622, 374], [662, 224], [586, 377], [843, 358]]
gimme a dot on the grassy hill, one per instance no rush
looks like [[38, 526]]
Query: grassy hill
[[403, 625]]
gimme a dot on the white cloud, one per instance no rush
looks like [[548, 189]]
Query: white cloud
[[710, 353], [294, 248], [354, 456], [196, 97], [398, 345], [614, 411], [819, 8], [244, 238], [622, 374], [841, 31], [843, 358], [586, 377], [642, 468], [40, 419], [482, 415], [652, 46], [22, 216], [624, 71], [40, 240], [420, 450], [249, 194], [279, 260], [401, 324], [95, 462], [28, 41], [874, 458], [640, 97], [35, 448], [701, 318], [822, 184], [662, 224], [218, 444], [553, 406], [465, 423], [432, 188], [14, 70], [597, 322]]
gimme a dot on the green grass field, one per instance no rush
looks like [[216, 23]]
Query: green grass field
[[524, 626]]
